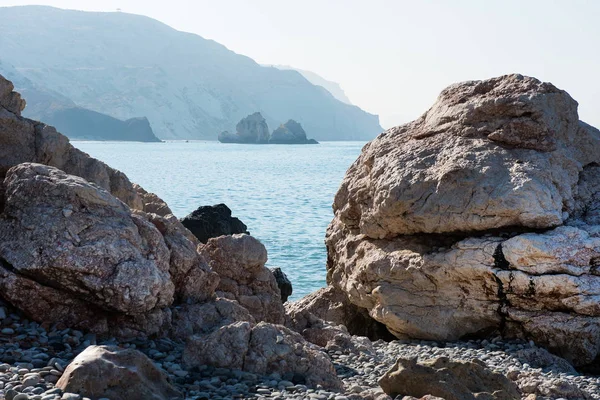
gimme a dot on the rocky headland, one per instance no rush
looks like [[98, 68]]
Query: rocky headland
[[462, 265], [253, 129]]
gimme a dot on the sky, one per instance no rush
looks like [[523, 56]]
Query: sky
[[393, 57]]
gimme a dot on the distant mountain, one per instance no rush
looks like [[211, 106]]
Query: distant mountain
[[126, 65], [75, 122], [332, 87]]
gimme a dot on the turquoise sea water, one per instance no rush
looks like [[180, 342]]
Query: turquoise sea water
[[283, 193]]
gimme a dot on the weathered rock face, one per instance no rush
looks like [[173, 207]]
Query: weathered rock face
[[481, 215], [193, 279], [332, 305], [283, 283], [262, 349], [190, 319], [326, 333], [240, 262], [448, 379], [73, 236], [252, 129], [290, 133], [110, 372], [489, 154], [213, 221], [96, 264]]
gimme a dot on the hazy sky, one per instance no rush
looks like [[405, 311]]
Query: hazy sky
[[393, 57]]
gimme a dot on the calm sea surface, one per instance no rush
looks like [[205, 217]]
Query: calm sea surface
[[283, 193]]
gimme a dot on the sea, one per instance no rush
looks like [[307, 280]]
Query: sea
[[283, 193]]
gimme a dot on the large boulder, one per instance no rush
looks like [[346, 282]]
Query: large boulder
[[118, 374], [505, 152], [213, 221], [290, 133], [251, 129], [448, 379], [240, 262], [73, 236], [96, 264], [262, 349], [481, 215]]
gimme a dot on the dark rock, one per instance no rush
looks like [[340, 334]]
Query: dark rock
[[213, 221], [290, 133], [284, 284]]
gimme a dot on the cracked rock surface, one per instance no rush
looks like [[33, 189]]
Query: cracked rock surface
[[482, 215]]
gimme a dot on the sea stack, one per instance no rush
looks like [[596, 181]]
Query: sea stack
[[290, 133], [252, 129]]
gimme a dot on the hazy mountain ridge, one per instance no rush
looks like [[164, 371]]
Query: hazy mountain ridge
[[332, 87], [126, 65]]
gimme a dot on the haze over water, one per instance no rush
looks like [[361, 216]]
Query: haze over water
[[282, 193]]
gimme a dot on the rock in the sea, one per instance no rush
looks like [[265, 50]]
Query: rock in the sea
[[448, 379], [240, 262], [213, 221], [251, 129], [284, 284], [118, 374], [290, 133], [262, 349], [482, 215]]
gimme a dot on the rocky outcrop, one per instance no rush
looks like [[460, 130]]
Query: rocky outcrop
[[481, 215], [119, 374], [251, 129], [262, 349], [283, 283], [213, 221], [239, 260], [109, 258], [448, 379], [290, 133]]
